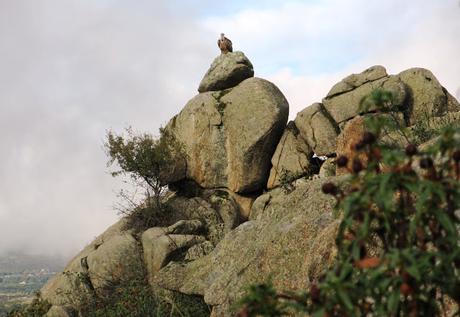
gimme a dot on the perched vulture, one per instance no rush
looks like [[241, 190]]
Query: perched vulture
[[224, 44]]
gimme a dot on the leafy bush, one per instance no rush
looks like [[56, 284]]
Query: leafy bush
[[148, 162], [130, 296], [398, 241]]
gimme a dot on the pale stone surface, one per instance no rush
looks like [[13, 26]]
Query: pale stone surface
[[427, 97], [291, 240], [57, 311], [116, 258], [355, 80], [328, 168], [215, 222], [291, 158], [60, 289], [226, 71], [199, 250], [346, 106], [158, 250], [230, 136], [452, 104], [318, 129]]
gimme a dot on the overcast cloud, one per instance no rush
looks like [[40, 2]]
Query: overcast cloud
[[71, 69]]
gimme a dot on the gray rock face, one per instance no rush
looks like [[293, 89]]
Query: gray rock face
[[427, 96], [355, 80], [230, 135], [318, 129], [159, 249], [57, 311], [60, 289], [345, 106], [290, 237], [226, 71], [291, 157], [116, 258]]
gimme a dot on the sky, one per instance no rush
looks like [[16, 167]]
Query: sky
[[70, 70]]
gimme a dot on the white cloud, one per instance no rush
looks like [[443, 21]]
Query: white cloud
[[305, 47]]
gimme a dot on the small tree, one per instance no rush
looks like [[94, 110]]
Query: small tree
[[148, 161], [398, 241]]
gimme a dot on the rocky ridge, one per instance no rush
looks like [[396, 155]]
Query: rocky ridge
[[233, 223]]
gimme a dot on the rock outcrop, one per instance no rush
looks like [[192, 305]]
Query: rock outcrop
[[229, 222], [290, 237], [318, 129], [291, 159], [230, 135], [226, 71]]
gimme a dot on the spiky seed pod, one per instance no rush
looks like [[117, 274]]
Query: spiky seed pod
[[330, 189], [411, 150], [314, 293], [368, 138], [357, 166], [342, 161], [426, 163], [376, 153], [456, 156], [360, 145]]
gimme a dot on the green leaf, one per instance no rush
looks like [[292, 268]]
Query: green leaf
[[445, 222], [345, 299], [393, 301]]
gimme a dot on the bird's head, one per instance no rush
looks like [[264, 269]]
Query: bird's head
[[222, 35]]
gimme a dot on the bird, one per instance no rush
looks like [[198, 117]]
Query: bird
[[224, 44]]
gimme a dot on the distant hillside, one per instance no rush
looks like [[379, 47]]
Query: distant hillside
[[17, 262]]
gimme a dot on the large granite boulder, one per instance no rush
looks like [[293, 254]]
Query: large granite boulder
[[318, 129], [427, 97], [57, 311], [289, 238], [230, 135], [353, 81], [416, 91], [343, 106], [226, 71], [291, 158], [113, 252]]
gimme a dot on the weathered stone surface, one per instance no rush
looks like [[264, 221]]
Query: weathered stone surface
[[116, 258], [57, 311], [291, 239], [226, 71], [328, 168], [318, 129], [230, 135], [60, 289], [452, 104], [199, 250], [159, 250], [185, 227], [291, 158], [215, 225], [225, 206], [346, 106], [427, 97], [355, 80], [244, 203]]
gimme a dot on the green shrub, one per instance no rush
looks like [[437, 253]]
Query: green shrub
[[147, 161], [131, 296]]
